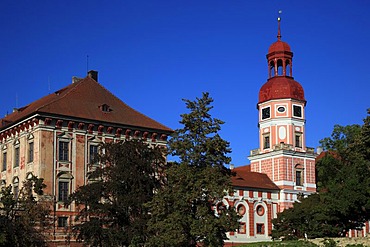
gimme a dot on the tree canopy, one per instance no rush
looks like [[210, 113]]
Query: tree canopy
[[111, 205], [343, 183], [24, 216], [183, 210]]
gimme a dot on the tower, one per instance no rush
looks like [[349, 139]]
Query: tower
[[282, 152]]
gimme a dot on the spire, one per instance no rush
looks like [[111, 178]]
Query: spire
[[279, 19]]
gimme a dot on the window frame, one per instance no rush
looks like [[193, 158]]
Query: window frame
[[260, 228], [298, 140], [17, 153], [63, 193], [266, 141], [62, 222], [64, 150], [30, 152], [4, 161], [294, 111], [266, 111], [300, 181]]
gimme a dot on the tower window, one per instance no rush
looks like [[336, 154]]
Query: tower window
[[297, 111], [266, 141], [287, 68], [272, 69], [280, 67], [266, 112], [298, 178], [298, 140]]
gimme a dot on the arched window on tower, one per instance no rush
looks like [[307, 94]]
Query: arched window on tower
[[287, 68], [272, 69], [280, 67]]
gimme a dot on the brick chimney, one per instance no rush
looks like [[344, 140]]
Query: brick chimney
[[93, 74]]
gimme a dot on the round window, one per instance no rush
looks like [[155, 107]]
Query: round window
[[241, 210], [260, 210], [281, 109]]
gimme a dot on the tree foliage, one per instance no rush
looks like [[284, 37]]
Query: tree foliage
[[183, 211], [25, 217], [111, 211], [343, 182]]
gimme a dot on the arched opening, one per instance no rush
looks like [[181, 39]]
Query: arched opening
[[280, 67], [272, 69], [288, 68]]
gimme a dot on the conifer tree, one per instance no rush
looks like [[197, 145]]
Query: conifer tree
[[111, 205], [183, 211], [25, 216]]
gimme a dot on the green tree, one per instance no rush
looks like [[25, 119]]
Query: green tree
[[183, 210], [111, 204], [343, 182], [24, 218]]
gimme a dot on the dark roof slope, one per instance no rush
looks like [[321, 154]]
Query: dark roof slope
[[85, 99], [245, 178]]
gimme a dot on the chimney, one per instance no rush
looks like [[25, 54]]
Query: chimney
[[93, 74]]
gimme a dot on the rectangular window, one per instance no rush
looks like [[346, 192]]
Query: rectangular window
[[62, 221], [266, 141], [63, 151], [298, 141], [15, 190], [297, 111], [266, 113], [242, 228], [260, 229], [93, 152], [16, 157], [4, 161], [30, 152], [298, 178], [63, 191]]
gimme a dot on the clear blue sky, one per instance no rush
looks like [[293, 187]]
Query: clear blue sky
[[153, 53]]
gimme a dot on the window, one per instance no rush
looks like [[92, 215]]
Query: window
[[298, 178], [260, 229], [266, 141], [63, 150], [16, 157], [63, 191], [298, 140], [297, 111], [241, 210], [4, 161], [266, 113], [260, 210], [16, 187], [62, 221], [242, 228], [30, 152], [93, 152]]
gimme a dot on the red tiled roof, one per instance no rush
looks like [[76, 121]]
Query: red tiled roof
[[281, 87], [245, 178], [83, 99]]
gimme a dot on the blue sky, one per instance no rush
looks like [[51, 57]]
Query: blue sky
[[151, 54]]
